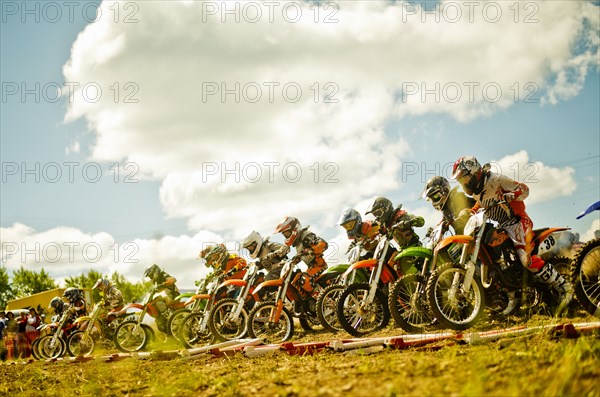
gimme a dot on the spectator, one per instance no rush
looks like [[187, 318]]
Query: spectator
[[2, 326], [22, 346], [10, 335], [31, 329]]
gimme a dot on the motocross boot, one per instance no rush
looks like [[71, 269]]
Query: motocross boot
[[564, 289]]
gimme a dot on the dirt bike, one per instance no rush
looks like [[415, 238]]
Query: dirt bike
[[585, 271], [228, 319], [191, 305], [194, 329], [273, 320], [93, 329], [133, 335], [53, 345], [488, 268], [327, 299], [407, 298], [363, 307]]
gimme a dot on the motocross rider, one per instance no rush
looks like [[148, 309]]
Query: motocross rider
[[270, 254], [489, 188], [218, 258], [454, 204], [76, 299], [309, 249], [399, 224], [162, 282], [113, 298], [359, 231]]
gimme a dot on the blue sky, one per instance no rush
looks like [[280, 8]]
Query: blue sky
[[371, 134]]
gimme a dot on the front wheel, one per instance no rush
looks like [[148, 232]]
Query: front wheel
[[585, 276], [261, 326], [326, 307], [80, 344], [450, 304], [131, 337], [175, 321], [408, 304], [223, 325], [358, 317], [193, 332], [51, 347]]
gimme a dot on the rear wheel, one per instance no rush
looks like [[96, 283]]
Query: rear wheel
[[221, 323], [80, 344], [358, 318], [408, 304], [131, 337], [585, 276], [450, 305], [261, 326], [326, 307]]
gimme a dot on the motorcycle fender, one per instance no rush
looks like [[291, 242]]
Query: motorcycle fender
[[185, 295], [195, 298], [134, 306], [367, 263], [418, 252], [270, 283], [452, 240], [340, 268], [79, 320], [236, 282]]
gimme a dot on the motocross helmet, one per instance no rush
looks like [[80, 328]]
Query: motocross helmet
[[72, 294], [437, 191], [253, 243], [152, 271], [216, 256], [469, 173], [102, 284], [290, 228], [382, 209], [351, 221], [57, 304]]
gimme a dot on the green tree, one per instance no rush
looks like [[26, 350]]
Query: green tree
[[131, 291], [85, 281], [28, 282], [6, 292]]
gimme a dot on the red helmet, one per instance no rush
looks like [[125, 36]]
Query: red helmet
[[290, 228], [469, 173]]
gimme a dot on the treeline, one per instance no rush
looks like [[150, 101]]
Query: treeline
[[27, 282]]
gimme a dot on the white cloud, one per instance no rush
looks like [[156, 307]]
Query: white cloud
[[545, 182], [591, 232], [65, 252], [170, 59]]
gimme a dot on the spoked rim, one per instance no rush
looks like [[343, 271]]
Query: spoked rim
[[461, 309], [223, 325]]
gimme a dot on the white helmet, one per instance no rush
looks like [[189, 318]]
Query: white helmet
[[253, 242]]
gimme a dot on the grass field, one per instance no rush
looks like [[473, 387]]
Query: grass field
[[535, 365]]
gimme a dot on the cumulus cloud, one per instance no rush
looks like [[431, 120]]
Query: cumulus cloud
[[545, 182], [592, 232], [65, 252], [245, 122]]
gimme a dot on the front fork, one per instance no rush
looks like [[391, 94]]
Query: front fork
[[375, 277], [469, 266]]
